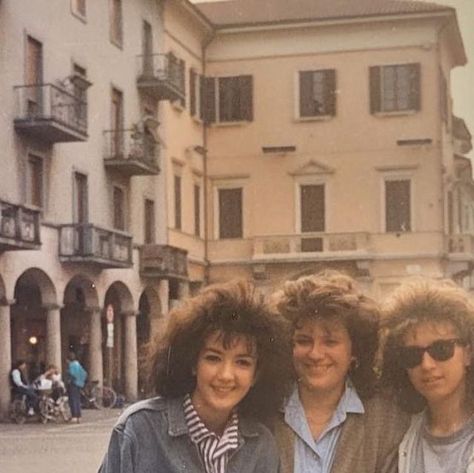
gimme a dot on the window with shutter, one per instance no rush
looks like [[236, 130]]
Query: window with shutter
[[397, 205], [197, 210], [177, 202], [192, 92], [317, 93], [230, 213], [395, 88], [230, 97]]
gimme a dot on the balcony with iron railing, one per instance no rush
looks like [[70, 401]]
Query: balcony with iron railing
[[50, 113], [163, 261], [19, 227], [161, 76], [132, 152], [88, 244]]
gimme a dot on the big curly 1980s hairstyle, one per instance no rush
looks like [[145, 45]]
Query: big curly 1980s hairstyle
[[415, 302], [334, 297], [232, 309]]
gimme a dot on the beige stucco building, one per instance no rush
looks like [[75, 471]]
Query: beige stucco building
[[151, 147]]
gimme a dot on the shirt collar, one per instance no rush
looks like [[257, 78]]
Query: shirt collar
[[197, 429], [350, 403]]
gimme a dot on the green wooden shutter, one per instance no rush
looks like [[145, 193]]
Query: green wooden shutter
[[375, 90], [306, 93], [246, 97]]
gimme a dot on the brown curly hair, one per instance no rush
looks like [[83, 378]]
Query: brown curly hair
[[334, 297], [232, 309], [422, 300]]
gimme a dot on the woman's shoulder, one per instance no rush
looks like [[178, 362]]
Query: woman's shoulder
[[142, 408], [383, 410]]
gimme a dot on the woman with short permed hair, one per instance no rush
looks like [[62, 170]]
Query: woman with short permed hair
[[427, 361], [220, 368], [334, 421]]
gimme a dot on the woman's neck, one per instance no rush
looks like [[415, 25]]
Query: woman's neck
[[319, 407], [215, 421], [448, 415]]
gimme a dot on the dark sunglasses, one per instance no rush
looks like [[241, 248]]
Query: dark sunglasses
[[440, 350]]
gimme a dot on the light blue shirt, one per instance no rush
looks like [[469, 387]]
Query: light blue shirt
[[317, 455]]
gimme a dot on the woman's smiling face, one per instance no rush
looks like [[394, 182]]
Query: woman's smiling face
[[322, 355], [224, 375]]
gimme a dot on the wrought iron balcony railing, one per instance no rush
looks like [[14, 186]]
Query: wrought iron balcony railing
[[19, 227], [86, 243], [50, 113], [162, 76], [132, 152], [163, 261]]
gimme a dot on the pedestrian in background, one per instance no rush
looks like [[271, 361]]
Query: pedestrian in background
[[77, 377], [334, 422], [20, 386], [428, 360], [221, 367]]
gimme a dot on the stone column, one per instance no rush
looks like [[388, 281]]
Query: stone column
[[53, 334], [5, 356], [96, 370], [183, 290], [130, 360]]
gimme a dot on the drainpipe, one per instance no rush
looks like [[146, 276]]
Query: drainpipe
[[204, 46]]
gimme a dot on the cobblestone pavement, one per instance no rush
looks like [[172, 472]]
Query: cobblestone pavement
[[56, 448]]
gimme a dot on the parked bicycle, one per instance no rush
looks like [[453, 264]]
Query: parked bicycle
[[97, 397]]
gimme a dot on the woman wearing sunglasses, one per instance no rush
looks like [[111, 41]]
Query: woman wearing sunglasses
[[427, 359], [334, 422], [218, 370]]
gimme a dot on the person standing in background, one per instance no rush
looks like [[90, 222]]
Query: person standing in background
[[77, 377]]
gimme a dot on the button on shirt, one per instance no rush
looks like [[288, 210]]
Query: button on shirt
[[317, 455]]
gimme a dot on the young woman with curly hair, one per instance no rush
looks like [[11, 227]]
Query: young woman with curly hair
[[428, 360], [219, 369], [333, 422]]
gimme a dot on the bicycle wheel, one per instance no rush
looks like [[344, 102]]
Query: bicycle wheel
[[103, 397], [64, 409], [17, 411]]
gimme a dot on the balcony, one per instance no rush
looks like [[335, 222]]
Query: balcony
[[310, 246], [49, 113], [161, 76], [19, 227], [163, 261], [132, 152], [87, 244]]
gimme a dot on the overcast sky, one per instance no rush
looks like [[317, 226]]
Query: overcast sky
[[462, 77]]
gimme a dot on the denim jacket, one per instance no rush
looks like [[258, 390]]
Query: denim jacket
[[152, 437]]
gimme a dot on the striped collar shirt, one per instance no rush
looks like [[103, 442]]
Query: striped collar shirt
[[214, 450]]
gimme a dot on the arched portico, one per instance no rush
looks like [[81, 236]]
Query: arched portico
[[80, 325], [35, 322], [5, 350], [149, 324], [120, 340]]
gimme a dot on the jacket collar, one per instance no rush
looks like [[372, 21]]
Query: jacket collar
[[177, 422]]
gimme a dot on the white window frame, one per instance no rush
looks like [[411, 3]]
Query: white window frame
[[296, 98]]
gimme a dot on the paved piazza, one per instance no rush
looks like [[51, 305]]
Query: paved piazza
[[56, 448]]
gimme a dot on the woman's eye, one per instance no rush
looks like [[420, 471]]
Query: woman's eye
[[331, 342], [245, 363], [212, 358], [303, 341]]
